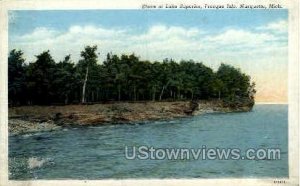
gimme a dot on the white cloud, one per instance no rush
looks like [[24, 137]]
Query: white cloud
[[38, 34], [156, 43], [96, 32], [280, 26], [241, 37], [159, 32], [159, 39]]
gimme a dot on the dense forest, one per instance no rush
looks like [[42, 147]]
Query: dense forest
[[119, 78]]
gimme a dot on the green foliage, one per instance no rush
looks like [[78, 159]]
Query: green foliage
[[66, 80], [16, 77], [234, 83], [120, 78], [40, 78]]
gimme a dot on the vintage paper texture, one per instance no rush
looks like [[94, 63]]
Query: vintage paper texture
[[293, 90]]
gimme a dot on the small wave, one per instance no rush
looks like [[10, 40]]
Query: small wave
[[35, 162], [94, 127], [27, 135], [31, 134]]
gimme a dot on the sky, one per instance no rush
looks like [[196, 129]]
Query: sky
[[256, 41]]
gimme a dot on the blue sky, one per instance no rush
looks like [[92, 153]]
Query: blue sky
[[26, 21], [254, 40]]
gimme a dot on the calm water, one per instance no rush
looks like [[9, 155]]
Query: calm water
[[98, 152]]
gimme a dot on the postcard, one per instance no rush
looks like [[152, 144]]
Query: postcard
[[149, 92]]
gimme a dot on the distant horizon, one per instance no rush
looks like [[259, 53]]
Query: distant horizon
[[271, 103]]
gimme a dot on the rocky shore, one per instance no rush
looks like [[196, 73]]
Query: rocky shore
[[27, 119], [18, 126]]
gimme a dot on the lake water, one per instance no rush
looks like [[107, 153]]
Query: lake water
[[99, 152]]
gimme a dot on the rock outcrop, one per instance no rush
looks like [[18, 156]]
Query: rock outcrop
[[42, 118]]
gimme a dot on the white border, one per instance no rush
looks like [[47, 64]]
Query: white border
[[293, 91]]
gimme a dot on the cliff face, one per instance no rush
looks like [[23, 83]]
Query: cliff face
[[117, 113], [244, 105], [123, 112]]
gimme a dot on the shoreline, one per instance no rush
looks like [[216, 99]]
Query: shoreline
[[271, 103], [29, 119]]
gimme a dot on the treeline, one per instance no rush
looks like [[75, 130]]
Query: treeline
[[119, 78]]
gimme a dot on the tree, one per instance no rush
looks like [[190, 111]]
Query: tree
[[122, 78], [40, 76], [16, 77], [89, 59], [66, 79], [165, 77], [236, 84]]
